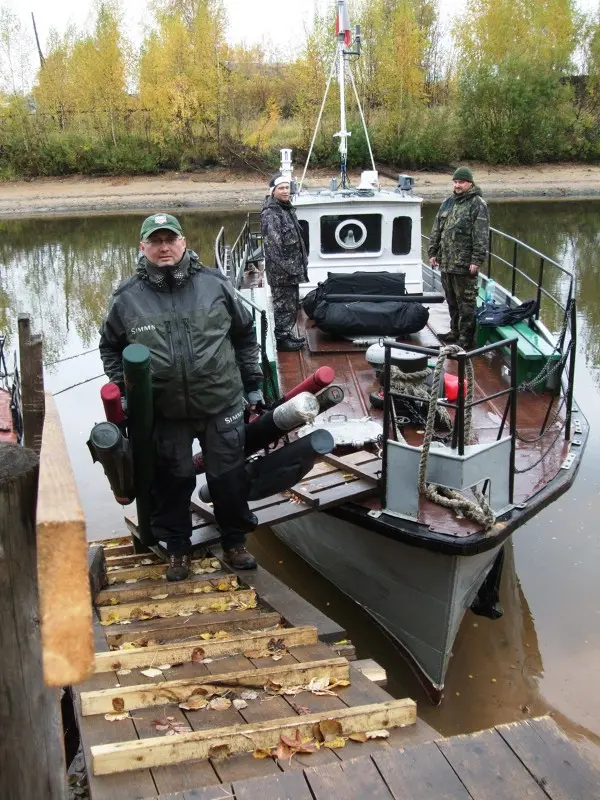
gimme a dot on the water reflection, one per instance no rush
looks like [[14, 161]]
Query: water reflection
[[62, 271]]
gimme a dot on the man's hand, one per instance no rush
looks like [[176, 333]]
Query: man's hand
[[433, 262], [473, 269], [255, 398]]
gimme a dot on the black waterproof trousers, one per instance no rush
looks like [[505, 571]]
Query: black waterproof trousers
[[286, 301], [221, 438]]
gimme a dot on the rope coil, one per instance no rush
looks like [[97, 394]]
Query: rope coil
[[479, 511]]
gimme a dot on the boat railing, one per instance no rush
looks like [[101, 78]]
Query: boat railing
[[462, 406], [515, 265]]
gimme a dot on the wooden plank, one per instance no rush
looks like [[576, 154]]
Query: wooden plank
[[365, 779], [114, 549], [371, 670], [328, 782], [419, 773], [554, 762], [196, 584], [178, 653], [285, 786], [244, 738], [488, 768], [220, 792], [178, 605], [366, 472], [96, 730], [64, 585], [157, 571], [183, 628], [295, 609], [141, 696], [132, 559]]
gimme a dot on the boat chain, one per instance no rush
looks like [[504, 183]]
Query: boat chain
[[479, 511]]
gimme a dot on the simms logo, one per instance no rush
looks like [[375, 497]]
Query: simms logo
[[142, 328], [234, 417]]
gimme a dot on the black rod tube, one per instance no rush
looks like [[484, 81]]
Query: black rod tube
[[140, 410], [539, 288]]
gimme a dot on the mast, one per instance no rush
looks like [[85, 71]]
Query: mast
[[343, 39]]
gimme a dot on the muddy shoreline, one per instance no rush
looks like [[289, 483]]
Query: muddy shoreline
[[219, 188]]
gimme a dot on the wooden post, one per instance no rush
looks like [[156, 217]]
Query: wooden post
[[32, 384], [32, 762]]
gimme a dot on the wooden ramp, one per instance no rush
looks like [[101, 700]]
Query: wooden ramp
[[205, 682], [333, 481]]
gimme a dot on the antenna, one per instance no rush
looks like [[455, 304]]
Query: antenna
[[37, 41]]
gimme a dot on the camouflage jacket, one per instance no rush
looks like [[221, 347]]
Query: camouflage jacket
[[285, 253], [460, 233]]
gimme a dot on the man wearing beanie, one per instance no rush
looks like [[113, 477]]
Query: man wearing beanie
[[285, 260], [458, 246], [204, 355]]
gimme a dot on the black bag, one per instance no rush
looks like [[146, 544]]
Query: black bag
[[376, 283], [495, 315], [386, 318]]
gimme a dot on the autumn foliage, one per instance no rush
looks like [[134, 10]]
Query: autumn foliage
[[508, 81]]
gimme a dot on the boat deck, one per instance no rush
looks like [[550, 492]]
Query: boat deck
[[357, 378]]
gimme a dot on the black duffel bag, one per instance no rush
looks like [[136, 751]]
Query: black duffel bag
[[495, 315], [376, 283], [386, 318]]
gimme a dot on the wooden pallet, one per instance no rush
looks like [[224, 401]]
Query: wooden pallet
[[213, 655]]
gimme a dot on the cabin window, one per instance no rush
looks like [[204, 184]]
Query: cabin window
[[402, 236], [351, 233], [304, 228]]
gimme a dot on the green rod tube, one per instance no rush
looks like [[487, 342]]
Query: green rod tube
[[140, 411]]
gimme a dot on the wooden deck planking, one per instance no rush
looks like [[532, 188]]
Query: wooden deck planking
[[551, 758], [419, 773], [288, 785], [488, 769]]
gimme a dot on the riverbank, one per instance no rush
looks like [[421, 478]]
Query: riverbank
[[221, 188]]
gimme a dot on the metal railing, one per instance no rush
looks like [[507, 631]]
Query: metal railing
[[461, 406], [508, 257]]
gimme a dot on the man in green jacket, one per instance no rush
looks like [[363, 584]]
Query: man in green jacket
[[458, 246], [204, 356]]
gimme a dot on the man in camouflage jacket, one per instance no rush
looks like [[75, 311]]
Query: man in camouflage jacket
[[285, 260], [458, 246]]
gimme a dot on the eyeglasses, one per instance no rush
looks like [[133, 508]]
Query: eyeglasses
[[158, 241]]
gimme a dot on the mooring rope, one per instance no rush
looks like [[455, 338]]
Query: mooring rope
[[413, 384], [479, 511]]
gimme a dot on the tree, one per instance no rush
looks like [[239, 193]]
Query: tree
[[16, 46], [513, 58]]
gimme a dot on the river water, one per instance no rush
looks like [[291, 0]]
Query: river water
[[543, 656]]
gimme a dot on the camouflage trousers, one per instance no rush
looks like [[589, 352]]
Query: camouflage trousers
[[286, 300], [461, 296]]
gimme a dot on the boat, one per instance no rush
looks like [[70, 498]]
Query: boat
[[427, 546]]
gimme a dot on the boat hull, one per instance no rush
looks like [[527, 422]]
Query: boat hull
[[418, 596]]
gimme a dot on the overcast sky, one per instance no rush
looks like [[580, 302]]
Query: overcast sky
[[278, 21], [254, 21]]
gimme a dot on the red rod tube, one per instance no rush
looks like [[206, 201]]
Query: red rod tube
[[313, 384], [111, 400]]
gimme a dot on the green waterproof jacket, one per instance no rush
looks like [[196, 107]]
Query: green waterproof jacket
[[202, 343], [460, 233]]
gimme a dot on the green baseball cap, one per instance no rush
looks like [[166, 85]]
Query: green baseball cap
[[159, 222]]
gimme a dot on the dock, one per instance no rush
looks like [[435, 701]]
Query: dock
[[229, 686]]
